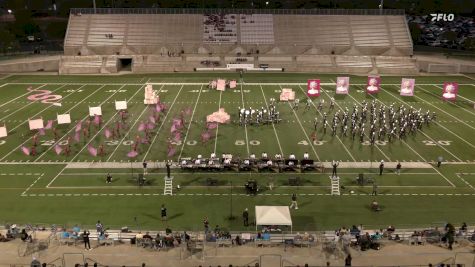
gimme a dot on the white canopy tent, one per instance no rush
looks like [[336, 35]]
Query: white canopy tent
[[273, 215]]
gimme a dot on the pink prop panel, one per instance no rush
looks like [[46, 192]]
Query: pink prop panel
[[78, 126], [141, 127], [342, 85], [407, 87], [221, 86], [450, 91], [232, 84], [287, 95], [313, 88], [219, 116], [373, 84]]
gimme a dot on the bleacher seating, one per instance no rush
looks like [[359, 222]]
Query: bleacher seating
[[220, 28], [257, 29], [295, 42]]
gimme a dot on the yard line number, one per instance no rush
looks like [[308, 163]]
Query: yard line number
[[434, 143], [315, 143]]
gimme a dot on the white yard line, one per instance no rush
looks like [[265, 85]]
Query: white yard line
[[31, 185], [130, 129], [217, 125], [57, 175], [273, 126], [303, 130], [349, 153], [48, 107], [443, 176], [74, 127], [245, 126], [189, 124], [426, 135], [20, 96], [459, 175], [102, 128], [163, 123]]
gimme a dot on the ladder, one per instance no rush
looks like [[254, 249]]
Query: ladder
[[335, 186], [168, 189]]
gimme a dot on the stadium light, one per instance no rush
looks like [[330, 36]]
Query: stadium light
[[381, 4], [9, 11]]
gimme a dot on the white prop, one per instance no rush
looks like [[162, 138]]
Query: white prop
[[221, 85], [64, 118], [120, 105], [36, 124], [151, 96], [93, 111], [3, 131]]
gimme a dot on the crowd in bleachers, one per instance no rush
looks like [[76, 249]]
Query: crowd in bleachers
[[436, 33]]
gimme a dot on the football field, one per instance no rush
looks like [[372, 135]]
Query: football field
[[69, 188]]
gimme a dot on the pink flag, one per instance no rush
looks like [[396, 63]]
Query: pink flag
[[150, 125], [97, 119], [58, 149], [162, 106], [173, 129], [152, 119], [92, 150], [141, 127], [132, 154], [107, 133], [178, 123], [78, 126], [42, 131], [77, 136], [212, 125], [25, 150], [49, 125], [177, 137], [171, 151], [158, 108], [205, 136]]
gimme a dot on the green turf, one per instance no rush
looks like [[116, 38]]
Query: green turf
[[48, 193]]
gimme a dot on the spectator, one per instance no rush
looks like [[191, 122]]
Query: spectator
[[294, 202], [398, 168], [206, 224], [144, 167], [164, 212], [35, 263], [99, 227], [245, 216], [348, 260], [85, 237], [381, 167], [108, 178], [147, 236]]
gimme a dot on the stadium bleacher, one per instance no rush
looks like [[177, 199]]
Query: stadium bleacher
[[280, 39]]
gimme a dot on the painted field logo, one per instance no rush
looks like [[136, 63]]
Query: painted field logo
[[44, 96], [442, 16]]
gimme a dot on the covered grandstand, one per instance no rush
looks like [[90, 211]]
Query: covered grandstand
[[154, 40]]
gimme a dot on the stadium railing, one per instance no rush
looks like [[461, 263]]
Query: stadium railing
[[374, 12]]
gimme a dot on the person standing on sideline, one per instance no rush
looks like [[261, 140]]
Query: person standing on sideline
[[35, 263], [334, 165], [348, 260], [245, 217], [375, 190], [439, 161], [144, 164], [168, 164], [398, 168], [381, 167], [108, 178], [163, 211], [206, 224], [293, 204], [85, 238], [99, 226]]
